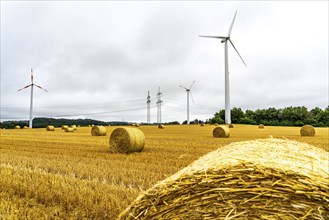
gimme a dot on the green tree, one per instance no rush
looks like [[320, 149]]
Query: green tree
[[236, 115]]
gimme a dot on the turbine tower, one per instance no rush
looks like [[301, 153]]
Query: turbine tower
[[227, 79], [159, 102], [188, 93], [148, 107], [31, 100]]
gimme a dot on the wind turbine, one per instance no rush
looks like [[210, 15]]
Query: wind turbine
[[31, 101], [188, 93], [227, 79]]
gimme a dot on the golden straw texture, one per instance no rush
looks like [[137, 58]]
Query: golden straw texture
[[259, 179], [50, 128], [127, 140], [98, 131], [307, 130], [221, 132]]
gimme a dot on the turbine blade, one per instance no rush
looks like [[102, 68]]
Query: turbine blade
[[238, 53], [183, 87], [191, 96], [40, 87], [192, 85], [31, 75], [230, 30], [218, 37], [24, 87]]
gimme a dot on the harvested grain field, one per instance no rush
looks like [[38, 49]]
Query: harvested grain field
[[73, 175]]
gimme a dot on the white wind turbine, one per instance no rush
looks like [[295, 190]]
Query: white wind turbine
[[188, 93], [31, 101], [227, 80]]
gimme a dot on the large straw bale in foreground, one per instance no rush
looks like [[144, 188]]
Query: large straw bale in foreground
[[50, 128], [307, 130], [221, 132], [98, 131], [267, 179], [127, 140]]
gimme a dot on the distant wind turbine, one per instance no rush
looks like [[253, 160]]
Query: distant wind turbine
[[188, 93], [227, 80], [31, 101]]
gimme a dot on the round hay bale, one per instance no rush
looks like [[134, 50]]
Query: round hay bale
[[261, 126], [230, 126], [17, 127], [243, 180], [137, 125], [127, 140], [74, 127], [64, 127], [69, 129], [25, 127], [98, 131], [202, 125], [161, 126], [307, 130], [50, 128], [221, 132], [216, 124]]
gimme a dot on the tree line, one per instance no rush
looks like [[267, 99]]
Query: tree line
[[43, 122], [289, 116]]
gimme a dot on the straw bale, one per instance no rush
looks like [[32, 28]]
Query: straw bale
[[69, 129], [50, 128], [74, 127], [161, 126], [25, 127], [64, 127], [202, 125], [216, 124], [261, 126], [230, 126], [127, 140], [259, 179], [221, 132], [98, 131], [137, 125], [17, 127], [307, 130]]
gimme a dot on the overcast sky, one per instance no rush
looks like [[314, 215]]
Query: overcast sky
[[99, 59]]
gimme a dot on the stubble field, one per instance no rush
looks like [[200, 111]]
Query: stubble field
[[59, 175]]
